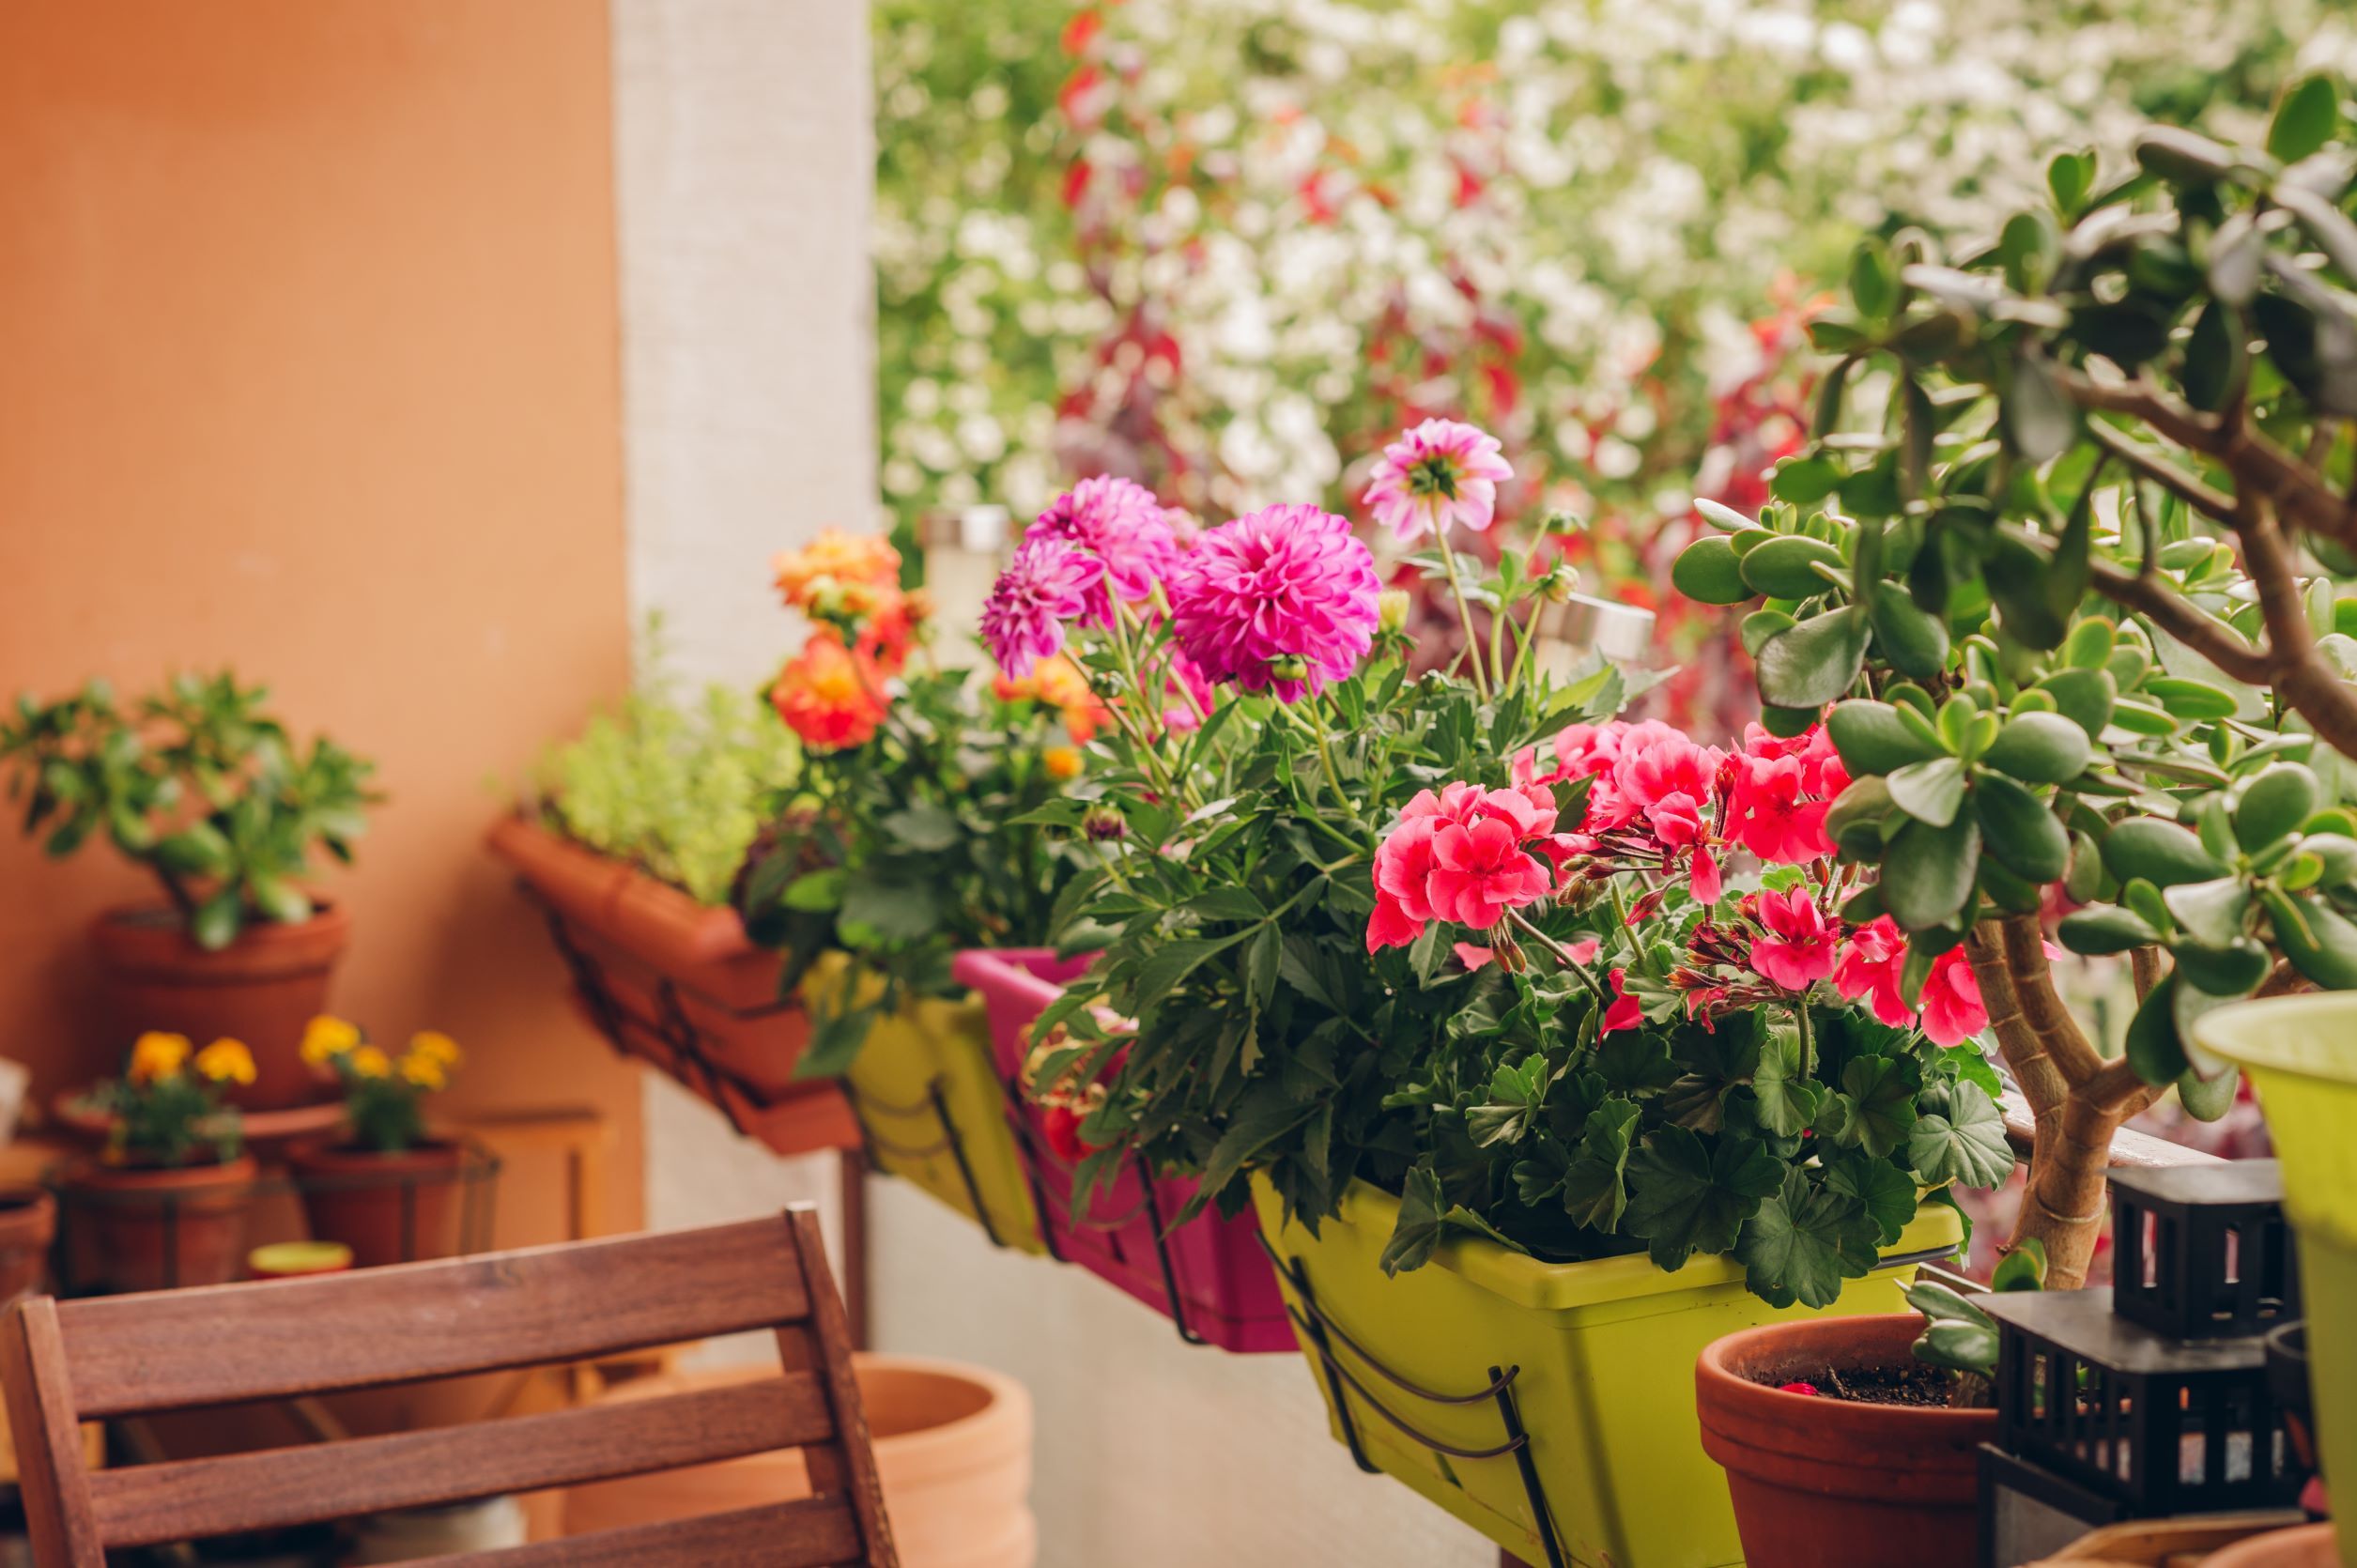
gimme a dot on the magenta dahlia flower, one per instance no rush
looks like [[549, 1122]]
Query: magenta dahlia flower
[[1047, 584], [1122, 525], [1282, 599], [1438, 474]]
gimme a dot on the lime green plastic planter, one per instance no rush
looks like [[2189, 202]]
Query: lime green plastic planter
[[1601, 1356], [2301, 1053], [931, 1110]]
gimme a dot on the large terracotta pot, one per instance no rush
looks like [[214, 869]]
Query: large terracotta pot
[[954, 1448], [680, 984], [400, 1207], [261, 988], [140, 1228], [1830, 1483], [28, 1223]]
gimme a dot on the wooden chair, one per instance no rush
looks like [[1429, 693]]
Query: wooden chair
[[68, 1361]]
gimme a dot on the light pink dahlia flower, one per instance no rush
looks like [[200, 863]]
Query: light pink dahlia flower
[[1121, 524], [1048, 584], [1438, 474], [1282, 599]]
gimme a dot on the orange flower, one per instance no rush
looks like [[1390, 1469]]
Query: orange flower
[[830, 695], [838, 560], [1058, 681], [1063, 761], [889, 621]]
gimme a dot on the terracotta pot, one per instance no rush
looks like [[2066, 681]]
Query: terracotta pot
[[28, 1223], [1831, 1484], [2307, 1546], [261, 988], [953, 1447], [400, 1207], [664, 961], [138, 1228]]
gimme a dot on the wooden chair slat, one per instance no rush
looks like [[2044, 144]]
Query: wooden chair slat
[[129, 1352], [831, 1333], [149, 1504], [814, 1533]]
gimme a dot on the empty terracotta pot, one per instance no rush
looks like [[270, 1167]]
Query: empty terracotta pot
[[137, 1228], [953, 1447], [386, 1207], [261, 988], [28, 1223], [1830, 1483]]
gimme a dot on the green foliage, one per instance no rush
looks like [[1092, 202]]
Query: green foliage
[[198, 783], [681, 792]]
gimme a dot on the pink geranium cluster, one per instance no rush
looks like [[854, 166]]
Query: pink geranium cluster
[[1466, 856], [1659, 800], [1873, 960]]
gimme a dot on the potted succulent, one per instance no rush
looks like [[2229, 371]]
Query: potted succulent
[[912, 837], [1477, 996], [632, 837], [391, 1191], [164, 1202], [201, 787]]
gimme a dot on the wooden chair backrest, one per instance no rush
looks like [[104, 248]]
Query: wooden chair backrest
[[71, 1361]]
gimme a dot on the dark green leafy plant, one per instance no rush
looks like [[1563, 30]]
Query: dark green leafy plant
[[2069, 588], [197, 784], [1960, 1336]]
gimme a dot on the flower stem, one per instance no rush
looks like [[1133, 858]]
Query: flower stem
[[1561, 953], [1465, 615], [1800, 1017]]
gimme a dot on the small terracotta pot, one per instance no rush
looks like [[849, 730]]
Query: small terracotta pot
[[953, 1450], [143, 1228], [261, 988], [28, 1223], [399, 1208], [1832, 1484]]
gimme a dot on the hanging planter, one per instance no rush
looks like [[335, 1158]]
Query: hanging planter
[[1210, 1276], [2297, 1052], [679, 984], [1548, 1406], [930, 1103]]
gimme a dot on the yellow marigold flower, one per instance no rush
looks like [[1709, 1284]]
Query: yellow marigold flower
[[325, 1038], [435, 1046], [424, 1071], [370, 1061], [156, 1054], [1063, 761], [227, 1061]]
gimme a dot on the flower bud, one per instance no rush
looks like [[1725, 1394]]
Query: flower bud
[[1390, 609], [1288, 667], [1105, 824], [1561, 582], [1509, 952]]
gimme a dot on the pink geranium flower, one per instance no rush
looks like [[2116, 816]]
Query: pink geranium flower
[[1437, 475], [1772, 812], [1796, 946], [1871, 963], [1120, 523], [1281, 600], [1045, 587], [1952, 1000], [1626, 1011], [1463, 855]]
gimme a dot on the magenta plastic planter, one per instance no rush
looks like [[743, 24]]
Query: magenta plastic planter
[[1210, 1276]]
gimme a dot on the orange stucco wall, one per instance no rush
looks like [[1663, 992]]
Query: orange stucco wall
[[310, 367]]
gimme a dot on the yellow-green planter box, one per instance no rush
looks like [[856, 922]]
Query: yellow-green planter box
[[930, 1106], [1597, 1359]]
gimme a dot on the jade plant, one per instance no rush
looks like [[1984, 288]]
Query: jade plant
[[196, 782], [2056, 572]]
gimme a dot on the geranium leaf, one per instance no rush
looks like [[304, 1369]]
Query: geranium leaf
[[1878, 1094], [1787, 1102], [1686, 1197], [1965, 1146], [1595, 1193], [1880, 1187], [1804, 1242]]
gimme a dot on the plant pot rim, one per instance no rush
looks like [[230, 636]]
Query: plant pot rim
[[236, 1172], [665, 916], [1724, 1390], [1539, 1285], [426, 1151], [2253, 1033], [145, 939]]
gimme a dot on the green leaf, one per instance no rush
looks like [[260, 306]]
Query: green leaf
[[2101, 929], [1687, 1198], [2153, 1049], [2161, 853], [198, 850], [1417, 1231], [816, 892], [2322, 945], [924, 827], [2039, 416], [1931, 792], [1787, 1102], [2039, 749], [215, 924], [1804, 481], [1226, 903], [1594, 1192], [1804, 1242], [2086, 698], [2018, 831], [1815, 662], [2275, 801], [2023, 1268], [1171, 962], [2308, 116], [1879, 1188], [1927, 871], [1708, 572], [1515, 1095], [895, 911], [1785, 567], [1913, 642], [1878, 1102], [1960, 1347], [1965, 1146], [1871, 738], [278, 901]]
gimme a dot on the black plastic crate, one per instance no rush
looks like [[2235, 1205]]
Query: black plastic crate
[[2201, 1251]]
